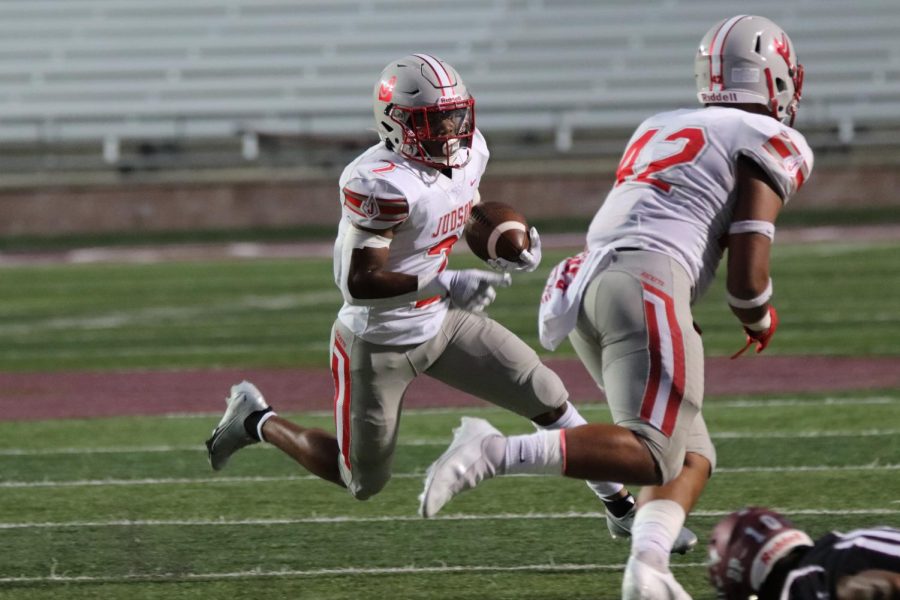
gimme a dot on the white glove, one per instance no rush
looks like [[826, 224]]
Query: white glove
[[528, 259], [473, 289]]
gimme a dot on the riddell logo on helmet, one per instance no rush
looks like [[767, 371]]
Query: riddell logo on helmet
[[450, 99], [718, 97]]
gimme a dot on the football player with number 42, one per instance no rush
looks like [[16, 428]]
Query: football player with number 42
[[691, 184], [404, 204]]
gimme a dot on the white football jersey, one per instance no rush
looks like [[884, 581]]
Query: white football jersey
[[675, 186], [380, 190]]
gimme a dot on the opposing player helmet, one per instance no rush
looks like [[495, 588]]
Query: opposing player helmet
[[424, 111], [743, 548], [748, 59]]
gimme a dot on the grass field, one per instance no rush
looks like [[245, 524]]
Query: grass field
[[837, 299], [128, 507]]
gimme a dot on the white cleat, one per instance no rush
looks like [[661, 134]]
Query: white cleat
[[462, 466], [643, 582], [229, 436], [620, 527]]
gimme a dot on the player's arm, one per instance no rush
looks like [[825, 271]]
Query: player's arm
[[367, 276], [870, 585], [369, 281], [750, 238]]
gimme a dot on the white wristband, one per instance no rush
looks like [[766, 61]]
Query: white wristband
[[752, 226], [752, 302], [760, 325]]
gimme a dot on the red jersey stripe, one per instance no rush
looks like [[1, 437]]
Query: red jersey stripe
[[428, 301]]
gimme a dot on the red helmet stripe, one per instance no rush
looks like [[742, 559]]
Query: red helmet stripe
[[717, 51], [437, 68]]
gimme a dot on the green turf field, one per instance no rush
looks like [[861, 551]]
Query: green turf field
[[128, 507], [836, 299]]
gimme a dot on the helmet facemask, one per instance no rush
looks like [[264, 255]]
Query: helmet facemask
[[424, 111], [437, 135]]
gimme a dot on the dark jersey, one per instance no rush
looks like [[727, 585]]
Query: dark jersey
[[837, 555]]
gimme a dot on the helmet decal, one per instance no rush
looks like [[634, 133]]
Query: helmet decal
[[386, 89], [783, 48]]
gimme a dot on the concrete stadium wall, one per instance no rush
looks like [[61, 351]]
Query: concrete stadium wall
[[125, 207]]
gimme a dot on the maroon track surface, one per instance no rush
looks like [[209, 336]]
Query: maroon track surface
[[106, 394]]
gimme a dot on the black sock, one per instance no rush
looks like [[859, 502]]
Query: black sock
[[620, 506], [252, 422]]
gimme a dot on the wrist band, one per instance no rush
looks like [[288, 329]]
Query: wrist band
[[760, 325], [752, 302], [751, 226]]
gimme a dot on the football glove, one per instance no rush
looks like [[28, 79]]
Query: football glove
[[528, 259], [760, 337], [473, 289]]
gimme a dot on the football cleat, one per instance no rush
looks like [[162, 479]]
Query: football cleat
[[643, 582], [620, 527], [466, 463], [229, 436]]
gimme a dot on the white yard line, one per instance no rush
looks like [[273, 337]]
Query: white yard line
[[415, 475], [259, 573], [162, 448], [400, 518]]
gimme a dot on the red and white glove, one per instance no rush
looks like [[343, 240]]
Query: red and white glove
[[760, 333], [473, 289], [528, 259]]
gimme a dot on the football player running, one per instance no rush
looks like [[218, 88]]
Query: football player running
[[691, 183], [404, 205], [758, 553]]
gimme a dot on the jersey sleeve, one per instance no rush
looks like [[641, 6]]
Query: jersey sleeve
[[373, 203], [781, 152], [479, 145]]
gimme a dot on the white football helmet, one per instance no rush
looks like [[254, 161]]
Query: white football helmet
[[424, 111], [747, 59]]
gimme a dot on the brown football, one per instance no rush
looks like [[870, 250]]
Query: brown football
[[495, 229]]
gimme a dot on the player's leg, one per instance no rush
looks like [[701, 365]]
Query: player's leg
[[630, 341], [657, 393], [369, 384], [699, 464], [370, 381], [314, 449], [486, 360]]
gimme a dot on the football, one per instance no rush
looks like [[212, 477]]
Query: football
[[495, 229]]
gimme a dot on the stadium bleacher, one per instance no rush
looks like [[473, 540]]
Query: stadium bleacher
[[102, 74]]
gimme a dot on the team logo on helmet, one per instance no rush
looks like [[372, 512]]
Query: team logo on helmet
[[386, 90]]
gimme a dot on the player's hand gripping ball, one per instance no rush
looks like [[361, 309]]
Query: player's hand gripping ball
[[499, 235]]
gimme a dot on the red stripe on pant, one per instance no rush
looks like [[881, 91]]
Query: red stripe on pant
[[677, 393], [655, 362], [342, 392], [655, 343]]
